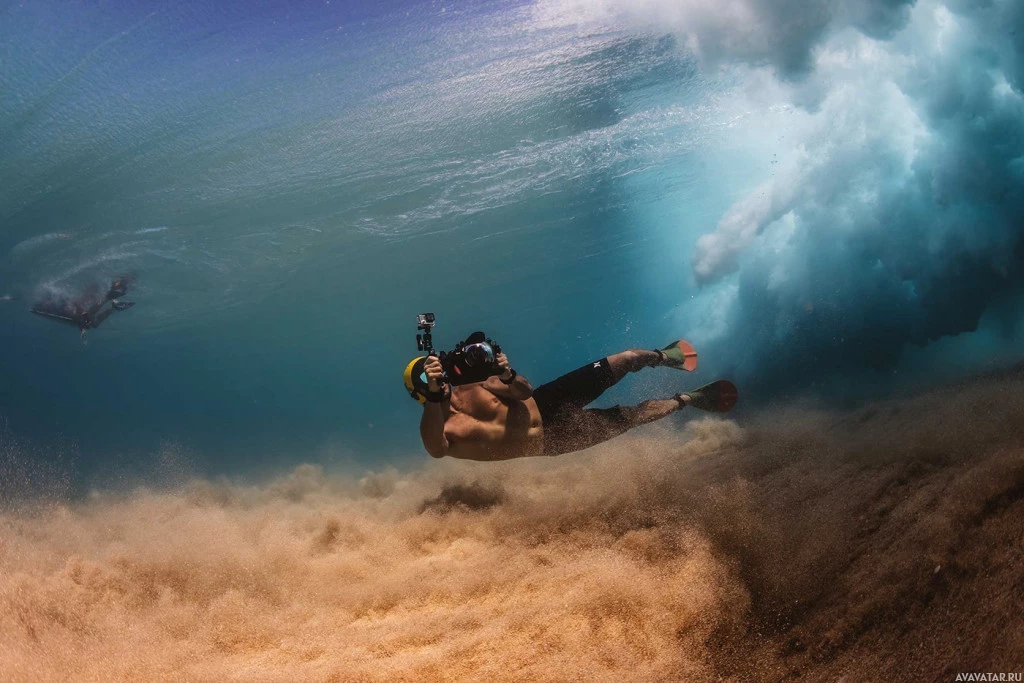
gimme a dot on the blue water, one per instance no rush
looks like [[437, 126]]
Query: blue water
[[292, 183]]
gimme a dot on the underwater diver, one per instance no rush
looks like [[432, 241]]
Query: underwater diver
[[88, 310], [504, 417]]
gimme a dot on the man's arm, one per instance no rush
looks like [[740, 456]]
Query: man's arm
[[518, 388], [432, 428], [434, 413]]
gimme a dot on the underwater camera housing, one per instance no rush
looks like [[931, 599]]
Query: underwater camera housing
[[472, 360]]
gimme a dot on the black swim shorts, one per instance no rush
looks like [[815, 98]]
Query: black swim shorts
[[568, 426]]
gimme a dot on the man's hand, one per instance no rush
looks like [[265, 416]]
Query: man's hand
[[503, 363], [435, 373], [434, 414], [504, 386]]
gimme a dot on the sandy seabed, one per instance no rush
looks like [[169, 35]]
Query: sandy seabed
[[881, 544]]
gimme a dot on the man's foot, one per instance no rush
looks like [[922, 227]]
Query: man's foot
[[717, 397], [680, 355]]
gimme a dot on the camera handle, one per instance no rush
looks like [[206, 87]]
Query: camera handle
[[425, 343]]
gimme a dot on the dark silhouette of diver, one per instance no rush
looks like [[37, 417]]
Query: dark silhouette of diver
[[87, 311]]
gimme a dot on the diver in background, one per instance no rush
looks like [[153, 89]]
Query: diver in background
[[87, 311], [504, 417]]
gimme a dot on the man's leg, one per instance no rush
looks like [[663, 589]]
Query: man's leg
[[581, 387], [679, 355], [624, 418], [592, 426], [717, 397], [632, 360], [651, 410], [568, 427]]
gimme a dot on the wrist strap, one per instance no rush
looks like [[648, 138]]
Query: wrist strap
[[438, 396], [510, 379]]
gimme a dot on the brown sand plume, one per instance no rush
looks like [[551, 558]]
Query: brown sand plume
[[880, 544]]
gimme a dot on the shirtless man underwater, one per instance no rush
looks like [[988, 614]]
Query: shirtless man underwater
[[504, 417]]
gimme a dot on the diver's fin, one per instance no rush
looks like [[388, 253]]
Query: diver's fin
[[121, 305], [718, 397], [680, 355]]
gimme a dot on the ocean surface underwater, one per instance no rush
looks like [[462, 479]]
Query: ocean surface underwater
[[226, 481]]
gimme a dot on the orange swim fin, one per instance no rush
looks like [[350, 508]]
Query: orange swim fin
[[718, 397], [680, 355]]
